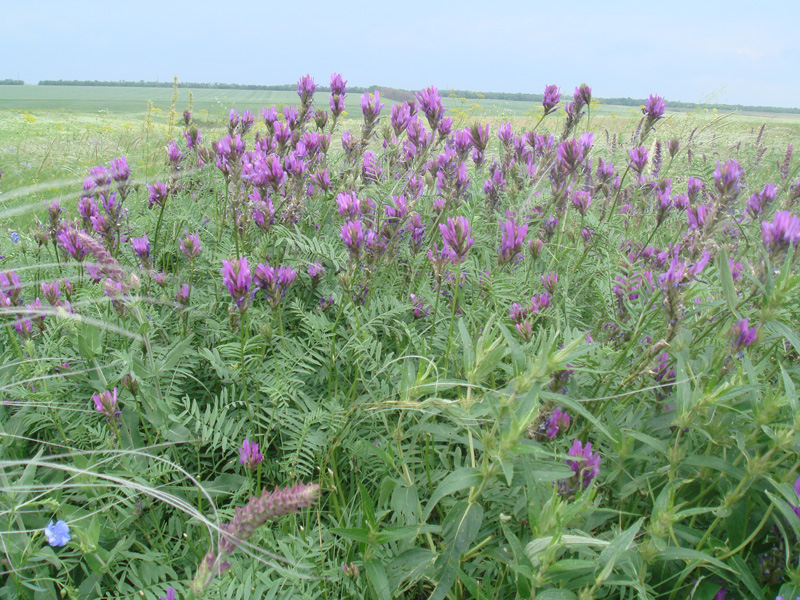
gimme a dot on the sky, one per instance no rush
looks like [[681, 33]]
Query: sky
[[732, 52]]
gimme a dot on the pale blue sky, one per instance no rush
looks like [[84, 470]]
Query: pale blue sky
[[727, 52]]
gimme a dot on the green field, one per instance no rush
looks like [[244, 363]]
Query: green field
[[51, 135]]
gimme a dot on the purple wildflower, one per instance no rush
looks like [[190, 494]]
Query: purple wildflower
[[479, 136], [182, 295], [371, 107], [431, 105], [726, 178], [654, 107], [275, 281], [69, 239], [352, 234], [552, 96], [249, 455], [557, 423], [783, 231], [174, 154], [638, 159], [338, 85], [587, 465], [511, 240], [743, 335], [190, 245], [157, 194], [549, 281], [582, 200], [306, 87], [141, 246], [456, 234], [315, 271], [106, 403], [236, 277]]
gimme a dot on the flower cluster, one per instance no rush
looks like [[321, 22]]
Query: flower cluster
[[246, 520]]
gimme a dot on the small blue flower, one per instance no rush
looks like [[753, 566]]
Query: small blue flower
[[15, 237], [58, 534]]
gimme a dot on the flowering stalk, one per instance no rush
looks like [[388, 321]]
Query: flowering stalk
[[246, 520]]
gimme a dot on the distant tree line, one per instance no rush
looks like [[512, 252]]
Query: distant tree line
[[400, 95], [11, 82]]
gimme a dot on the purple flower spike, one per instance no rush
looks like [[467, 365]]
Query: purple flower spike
[[638, 159], [158, 194], [584, 94], [182, 296], [338, 85], [511, 240], [726, 178], [249, 455], [552, 96], [141, 246], [783, 231], [190, 245], [236, 277], [557, 423], [352, 234], [587, 467], [106, 403], [306, 86], [431, 105], [582, 200], [550, 281], [456, 235], [479, 136], [371, 107], [315, 271], [694, 188], [119, 170], [69, 240], [174, 154], [743, 335], [654, 107], [274, 281]]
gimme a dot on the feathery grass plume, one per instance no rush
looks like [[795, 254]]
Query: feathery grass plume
[[246, 520]]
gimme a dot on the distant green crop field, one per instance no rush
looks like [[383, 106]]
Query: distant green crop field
[[51, 135]]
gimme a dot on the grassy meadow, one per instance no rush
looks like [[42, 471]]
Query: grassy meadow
[[450, 349]]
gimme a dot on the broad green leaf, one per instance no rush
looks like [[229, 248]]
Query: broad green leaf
[[376, 574], [459, 479], [610, 555], [459, 530]]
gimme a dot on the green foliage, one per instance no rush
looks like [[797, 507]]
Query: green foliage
[[432, 427]]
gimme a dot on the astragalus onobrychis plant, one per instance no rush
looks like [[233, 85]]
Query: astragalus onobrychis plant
[[452, 360]]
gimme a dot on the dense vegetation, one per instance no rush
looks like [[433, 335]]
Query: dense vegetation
[[445, 362]]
